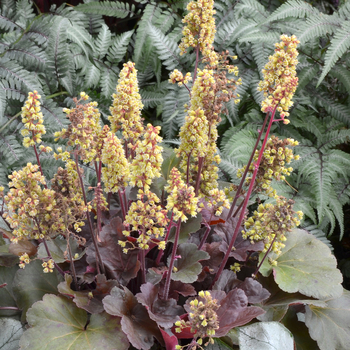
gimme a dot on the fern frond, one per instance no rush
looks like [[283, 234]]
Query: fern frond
[[103, 41], [225, 32], [167, 50], [108, 8], [342, 74], [165, 21], [12, 70], [80, 36], [252, 9], [117, 50], [306, 75], [254, 82], [335, 109], [317, 26], [344, 11], [39, 31], [244, 27], [230, 165], [108, 82], [2, 103], [10, 90], [11, 150], [24, 12], [292, 8], [151, 99], [91, 73], [7, 23], [258, 36], [338, 46], [333, 138], [54, 118]]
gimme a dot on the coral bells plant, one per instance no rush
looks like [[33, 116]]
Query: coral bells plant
[[159, 255]]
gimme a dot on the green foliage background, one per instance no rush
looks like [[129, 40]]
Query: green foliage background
[[71, 49]]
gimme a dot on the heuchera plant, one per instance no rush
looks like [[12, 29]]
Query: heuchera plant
[[163, 255]]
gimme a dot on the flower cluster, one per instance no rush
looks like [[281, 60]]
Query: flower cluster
[[48, 266], [83, 129], [280, 80], [200, 29], [127, 105], [203, 318], [270, 222], [177, 76], [69, 196], [32, 210], [33, 120], [147, 218], [148, 160], [23, 260], [272, 166], [115, 174], [181, 199]]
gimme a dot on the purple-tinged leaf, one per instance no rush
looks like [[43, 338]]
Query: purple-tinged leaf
[[91, 301], [119, 266], [187, 265], [242, 246], [164, 312], [170, 340], [216, 256], [136, 323]]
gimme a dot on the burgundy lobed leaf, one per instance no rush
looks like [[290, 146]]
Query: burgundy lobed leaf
[[136, 323], [164, 312], [216, 256], [241, 246], [91, 301], [119, 266], [253, 289], [169, 340]]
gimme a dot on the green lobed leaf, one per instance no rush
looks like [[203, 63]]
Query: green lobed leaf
[[31, 284], [11, 331], [265, 336], [7, 296], [306, 265], [330, 325], [56, 323]]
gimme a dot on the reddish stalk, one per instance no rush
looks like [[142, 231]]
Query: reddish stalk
[[247, 167], [245, 203], [172, 261], [198, 180], [263, 259], [204, 238], [143, 265], [50, 257], [98, 256], [122, 204]]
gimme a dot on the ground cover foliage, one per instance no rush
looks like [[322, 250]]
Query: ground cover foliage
[[171, 267]]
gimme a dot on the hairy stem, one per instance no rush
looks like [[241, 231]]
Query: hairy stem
[[172, 261], [161, 252], [206, 234], [198, 180], [72, 264], [122, 204]]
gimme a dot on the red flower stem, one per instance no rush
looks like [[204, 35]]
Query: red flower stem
[[188, 168], [121, 204], [98, 256], [263, 259], [161, 252], [125, 202], [143, 265], [245, 203], [247, 167], [9, 308], [172, 261], [196, 66], [198, 180], [3, 285], [204, 238]]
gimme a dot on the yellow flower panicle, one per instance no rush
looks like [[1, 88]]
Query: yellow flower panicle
[[32, 210], [148, 218], [115, 173], [273, 164], [177, 77], [200, 29], [33, 119], [127, 105], [83, 131], [148, 160], [270, 222], [182, 199], [23, 260], [203, 317], [280, 80]]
